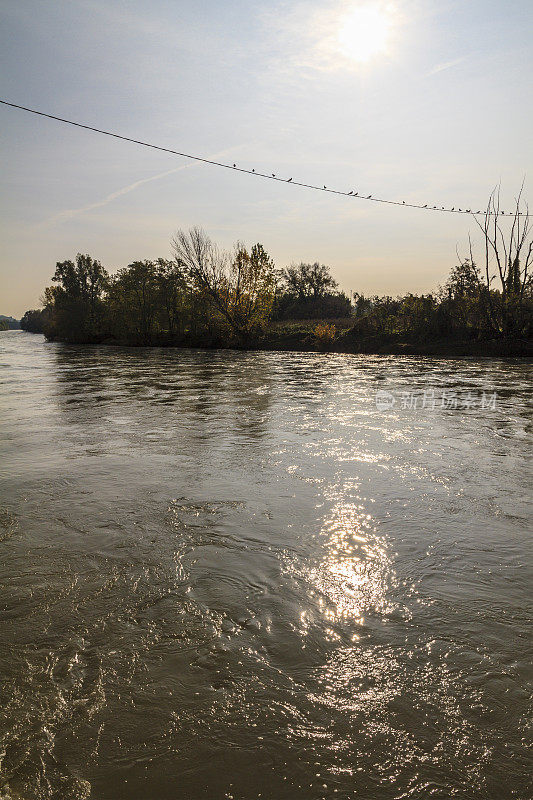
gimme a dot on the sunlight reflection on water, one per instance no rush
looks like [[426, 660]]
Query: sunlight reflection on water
[[356, 573]]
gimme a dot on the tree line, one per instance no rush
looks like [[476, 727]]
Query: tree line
[[207, 296], [204, 295]]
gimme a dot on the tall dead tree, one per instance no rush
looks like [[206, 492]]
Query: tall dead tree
[[508, 260]]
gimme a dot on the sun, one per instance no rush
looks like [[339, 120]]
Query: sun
[[364, 32]]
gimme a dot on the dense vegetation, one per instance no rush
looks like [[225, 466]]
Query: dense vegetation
[[203, 296], [208, 297]]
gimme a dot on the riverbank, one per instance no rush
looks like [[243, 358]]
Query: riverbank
[[340, 337], [301, 336]]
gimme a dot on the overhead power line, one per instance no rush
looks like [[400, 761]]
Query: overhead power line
[[269, 176]]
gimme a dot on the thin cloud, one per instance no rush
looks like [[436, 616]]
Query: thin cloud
[[69, 213], [446, 65]]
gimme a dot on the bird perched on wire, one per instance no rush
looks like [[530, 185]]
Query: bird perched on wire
[[234, 166], [349, 193], [290, 179], [369, 197], [425, 206], [273, 175]]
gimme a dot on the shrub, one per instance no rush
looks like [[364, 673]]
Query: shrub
[[325, 335]]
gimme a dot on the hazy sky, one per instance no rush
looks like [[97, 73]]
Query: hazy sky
[[416, 100]]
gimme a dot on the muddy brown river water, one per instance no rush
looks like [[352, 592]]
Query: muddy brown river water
[[231, 575]]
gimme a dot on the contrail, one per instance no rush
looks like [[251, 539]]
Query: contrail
[[446, 65], [69, 213]]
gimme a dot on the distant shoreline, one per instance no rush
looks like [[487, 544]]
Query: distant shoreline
[[346, 344]]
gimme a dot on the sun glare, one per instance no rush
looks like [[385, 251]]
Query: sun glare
[[364, 32]]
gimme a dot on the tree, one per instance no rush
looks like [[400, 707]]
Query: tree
[[35, 320], [463, 306], [172, 292], [251, 289], [240, 288], [204, 264], [362, 304], [309, 280], [464, 280], [75, 304], [133, 300], [508, 261], [310, 292]]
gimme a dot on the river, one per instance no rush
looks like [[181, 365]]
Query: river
[[248, 575]]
